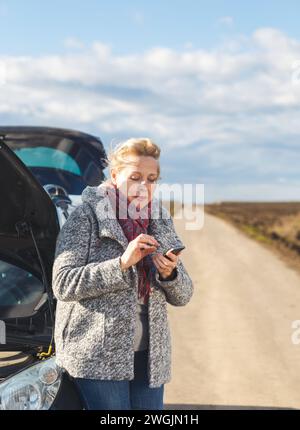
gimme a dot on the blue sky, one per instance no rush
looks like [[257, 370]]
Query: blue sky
[[35, 27], [215, 83]]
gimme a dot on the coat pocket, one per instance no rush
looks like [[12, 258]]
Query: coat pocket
[[86, 328], [62, 323]]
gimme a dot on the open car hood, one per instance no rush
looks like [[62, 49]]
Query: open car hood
[[28, 230], [68, 158]]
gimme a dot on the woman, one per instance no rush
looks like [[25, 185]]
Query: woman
[[112, 285]]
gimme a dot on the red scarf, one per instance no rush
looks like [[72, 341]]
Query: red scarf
[[134, 223]]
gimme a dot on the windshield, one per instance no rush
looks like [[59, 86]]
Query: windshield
[[52, 166], [41, 156], [72, 162]]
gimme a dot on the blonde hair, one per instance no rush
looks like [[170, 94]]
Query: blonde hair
[[117, 157]]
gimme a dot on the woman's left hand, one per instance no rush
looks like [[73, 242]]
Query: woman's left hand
[[165, 266]]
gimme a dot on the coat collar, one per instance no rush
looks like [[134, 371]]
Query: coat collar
[[97, 197]]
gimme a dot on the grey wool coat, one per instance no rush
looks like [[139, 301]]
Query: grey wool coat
[[97, 301]]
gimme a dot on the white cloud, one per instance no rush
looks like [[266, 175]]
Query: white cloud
[[230, 100], [247, 192]]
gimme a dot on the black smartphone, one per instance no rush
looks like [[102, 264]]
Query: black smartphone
[[175, 250]]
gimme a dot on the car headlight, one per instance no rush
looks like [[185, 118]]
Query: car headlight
[[32, 388]]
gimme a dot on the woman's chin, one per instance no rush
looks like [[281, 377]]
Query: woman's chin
[[139, 202]]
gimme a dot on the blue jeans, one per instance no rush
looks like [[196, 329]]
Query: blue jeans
[[99, 394]]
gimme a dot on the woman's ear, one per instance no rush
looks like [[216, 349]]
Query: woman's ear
[[113, 175]]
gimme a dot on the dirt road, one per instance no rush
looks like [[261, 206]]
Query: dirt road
[[232, 343]]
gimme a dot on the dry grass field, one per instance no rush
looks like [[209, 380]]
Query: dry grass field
[[274, 225]]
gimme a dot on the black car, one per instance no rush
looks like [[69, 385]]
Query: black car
[[43, 173]]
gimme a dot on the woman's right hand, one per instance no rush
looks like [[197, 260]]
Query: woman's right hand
[[138, 248]]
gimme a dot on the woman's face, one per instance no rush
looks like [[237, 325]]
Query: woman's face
[[137, 180]]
